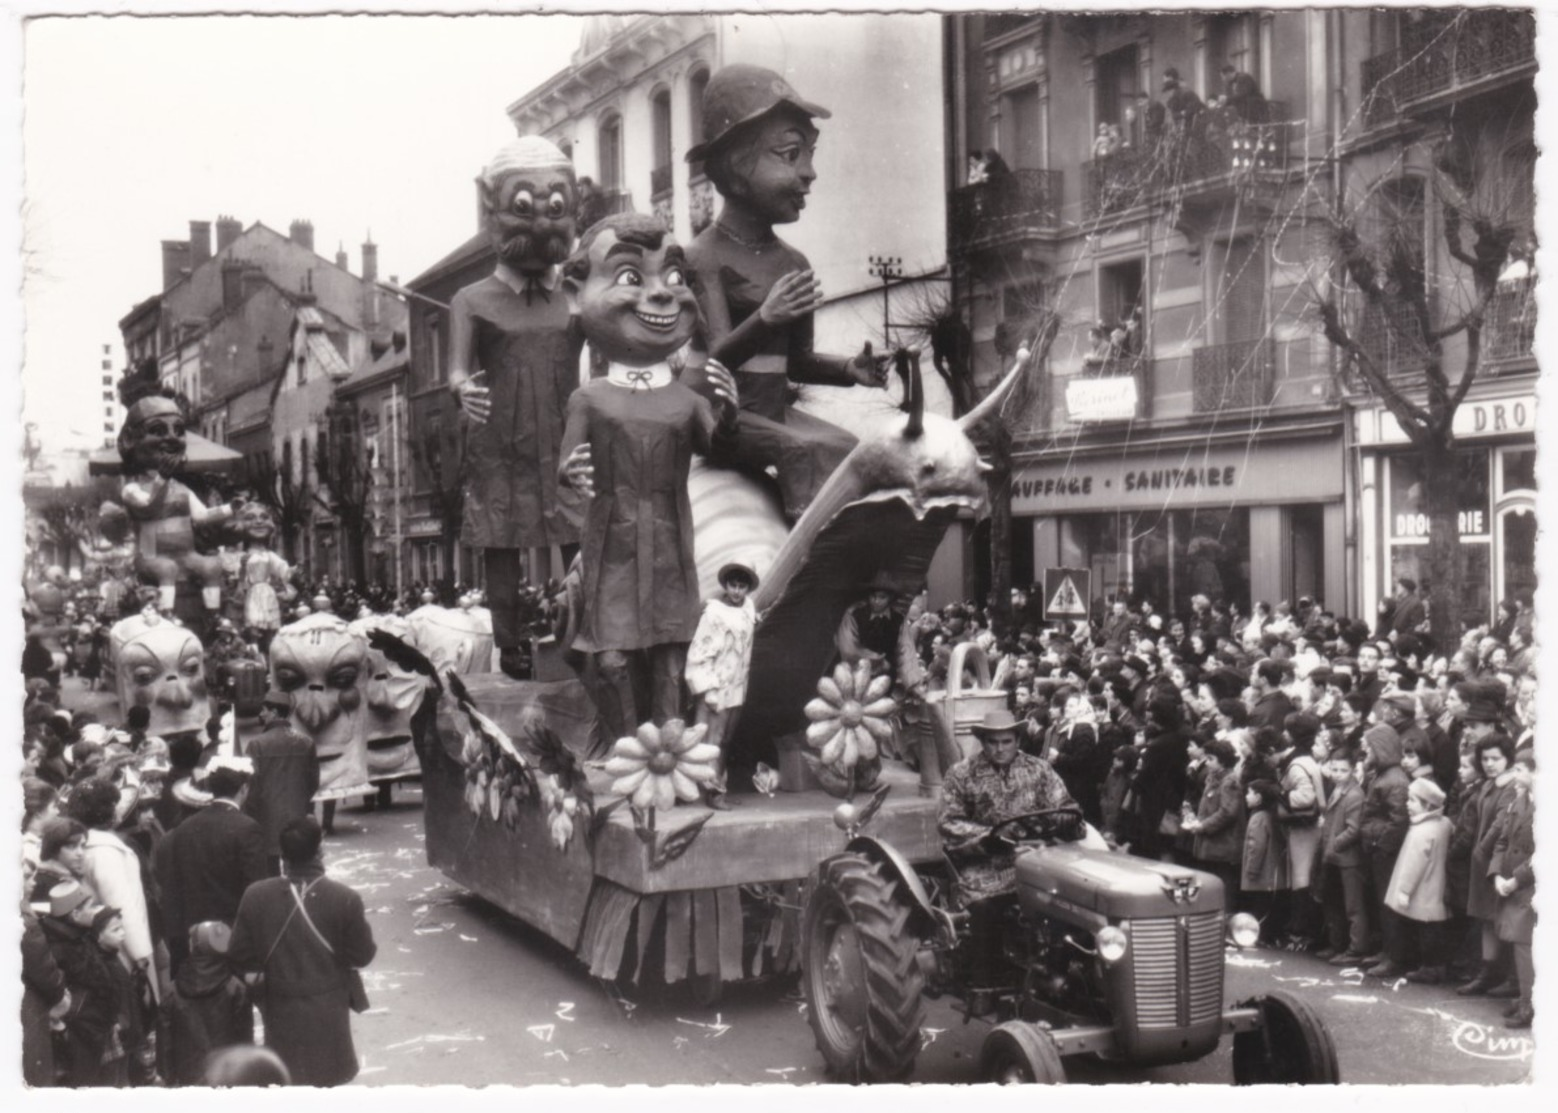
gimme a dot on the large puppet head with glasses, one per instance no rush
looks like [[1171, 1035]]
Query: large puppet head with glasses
[[529, 196]]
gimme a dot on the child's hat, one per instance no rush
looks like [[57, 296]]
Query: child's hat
[[1427, 793], [66, 897], [104, 917], [736, 569]]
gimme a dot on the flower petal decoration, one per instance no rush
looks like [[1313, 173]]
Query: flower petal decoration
[[660, 765], [849, 719]]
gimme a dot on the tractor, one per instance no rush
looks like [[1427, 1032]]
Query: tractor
[[1097, 953]]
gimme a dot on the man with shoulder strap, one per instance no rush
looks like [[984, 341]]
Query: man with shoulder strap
[[309, 936]]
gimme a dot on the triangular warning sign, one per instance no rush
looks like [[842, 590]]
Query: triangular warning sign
[[1067, 600]]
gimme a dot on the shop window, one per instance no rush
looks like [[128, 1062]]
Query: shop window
[[1164, 557], [1407, 525], [1517, 469]]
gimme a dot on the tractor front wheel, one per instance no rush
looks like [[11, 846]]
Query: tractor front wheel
[[1292, 1045], [1020, 1052], [862, 981]]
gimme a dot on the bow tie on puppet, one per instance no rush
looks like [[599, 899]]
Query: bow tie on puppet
[[534, 285], [641, 379]]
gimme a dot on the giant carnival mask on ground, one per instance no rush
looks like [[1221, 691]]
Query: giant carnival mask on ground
[[529, 195], [322, 664], [392, 695], [158, 665], [628, 284]]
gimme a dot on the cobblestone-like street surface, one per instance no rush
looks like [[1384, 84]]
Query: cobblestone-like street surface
[[463, 994]]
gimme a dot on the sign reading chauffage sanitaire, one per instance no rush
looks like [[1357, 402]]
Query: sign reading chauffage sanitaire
[[1177, 475]]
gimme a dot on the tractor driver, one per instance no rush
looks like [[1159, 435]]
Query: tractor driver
[[995, 784]]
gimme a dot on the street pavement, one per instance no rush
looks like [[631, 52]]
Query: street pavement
[[463, 994]]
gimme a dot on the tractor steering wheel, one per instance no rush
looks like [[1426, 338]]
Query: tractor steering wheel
[[1062, 824]]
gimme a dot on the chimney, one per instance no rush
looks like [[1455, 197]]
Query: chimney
[[370, 260], [232, 284], [340, 256], [175, 261], [253, 279], [302, 234], [199, 242], [228, 229]]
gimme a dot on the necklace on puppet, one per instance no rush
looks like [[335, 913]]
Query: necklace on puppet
[[759, 245]]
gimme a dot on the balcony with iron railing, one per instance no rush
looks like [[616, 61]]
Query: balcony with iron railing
[[1233, 376], [1509, 326], [1446, 54], [1217, 151], [1003, 210], [1116, 388]]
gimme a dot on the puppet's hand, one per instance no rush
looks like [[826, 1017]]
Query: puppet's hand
[[475, 398], [579, 472], [792, 297], [723, 385], [867, 369]]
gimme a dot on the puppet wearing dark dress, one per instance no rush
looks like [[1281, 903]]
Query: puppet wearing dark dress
[[757, 292], [513, 364], [627, 448]]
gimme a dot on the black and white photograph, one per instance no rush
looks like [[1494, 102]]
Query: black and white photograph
[[700, 547]]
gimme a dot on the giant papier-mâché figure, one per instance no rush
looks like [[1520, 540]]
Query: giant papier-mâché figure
[[160, 665], [323, 664], [164, 511], [514, 361], [757, 292], [391, 695], [628, 447]]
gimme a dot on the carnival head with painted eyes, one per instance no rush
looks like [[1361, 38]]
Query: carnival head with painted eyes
[[152, 437], [159, 665], [760, 143], [529, 194], [628, 282]]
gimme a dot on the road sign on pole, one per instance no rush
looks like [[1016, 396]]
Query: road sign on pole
[[1066, 593]]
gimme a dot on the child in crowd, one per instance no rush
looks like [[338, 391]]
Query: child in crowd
[[1265, 858], [1342, 884], [1416, 760], [1515, 883], [1416, 891], [209, 1007], [1118, 782], [125, 1037]]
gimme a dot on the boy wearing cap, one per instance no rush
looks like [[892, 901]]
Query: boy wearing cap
[[1416, 891], [89, 1022], [514, 361], [286, 775], [719, 659], [757, 292]]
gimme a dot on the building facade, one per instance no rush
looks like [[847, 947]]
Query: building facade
[[1192, 433]]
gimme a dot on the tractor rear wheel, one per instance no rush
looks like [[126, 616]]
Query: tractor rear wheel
[[1292, 1045], [1018, 1052], [862, 981]]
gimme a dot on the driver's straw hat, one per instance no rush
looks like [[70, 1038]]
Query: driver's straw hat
[[995, 722]]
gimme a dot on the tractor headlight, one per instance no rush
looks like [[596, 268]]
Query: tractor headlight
[[1112, 944], [1244, 930]]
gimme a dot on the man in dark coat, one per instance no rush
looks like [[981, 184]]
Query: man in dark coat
[[205, 863], [1411, 610], [1272, 705], [307, 934], [286, 776]]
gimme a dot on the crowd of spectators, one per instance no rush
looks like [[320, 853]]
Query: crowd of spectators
[[1365, 794]]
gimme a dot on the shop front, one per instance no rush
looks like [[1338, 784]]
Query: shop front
[[1495, 464], [1254, 517]]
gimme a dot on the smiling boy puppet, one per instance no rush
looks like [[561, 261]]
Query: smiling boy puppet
[[627, 448], [757, 292], [513, 363]]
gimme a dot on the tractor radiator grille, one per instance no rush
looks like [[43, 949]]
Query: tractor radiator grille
[[1179, 969]]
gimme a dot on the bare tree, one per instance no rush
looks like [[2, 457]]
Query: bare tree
[[444, 464], [346, 483], [1413, 325]]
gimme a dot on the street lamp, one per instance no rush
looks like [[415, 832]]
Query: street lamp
[[887, 268]]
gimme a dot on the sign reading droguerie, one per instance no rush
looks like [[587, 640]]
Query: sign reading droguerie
[[1173, 476], [1484, 417]]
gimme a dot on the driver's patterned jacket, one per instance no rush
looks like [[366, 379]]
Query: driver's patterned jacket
[[975, 797]]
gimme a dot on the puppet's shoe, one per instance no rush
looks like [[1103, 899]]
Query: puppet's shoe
[[514, 663]]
